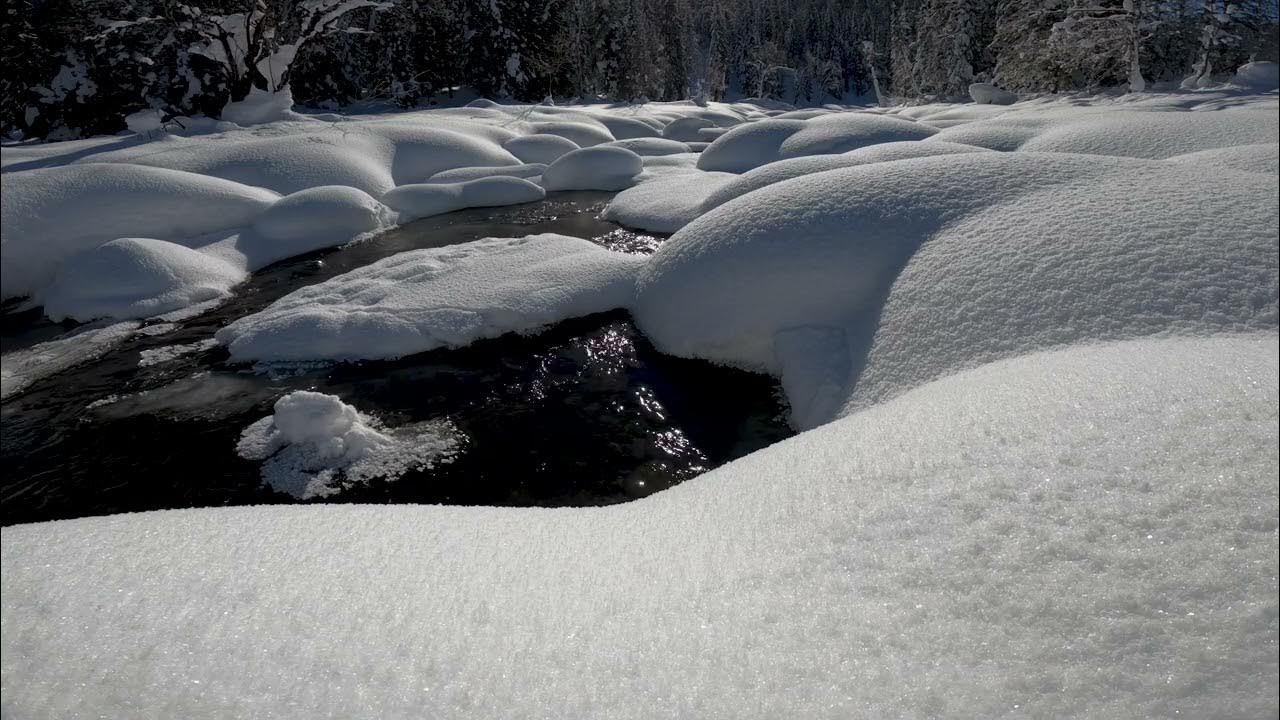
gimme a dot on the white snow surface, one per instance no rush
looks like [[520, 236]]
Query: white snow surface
[[593, 168], [932, 265], [1076, 534], [543, 149], [440, 297], [418, 201], [666, 203]]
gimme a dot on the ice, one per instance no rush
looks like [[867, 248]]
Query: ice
[[1003, 254], [20, 368], [419, 201], [161, 355], [593, 168], [314, 444], [1084, 533], [440, 297], [136, 278]]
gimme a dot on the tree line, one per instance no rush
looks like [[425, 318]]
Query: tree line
[[73, 68]]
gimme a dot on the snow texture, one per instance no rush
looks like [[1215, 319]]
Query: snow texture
[[440, 297], [593, 168], [418, 201], [544, 149], [666, 203], [1078, 534], [1259, 76], [313, 444], [527, 171], [988, 94]]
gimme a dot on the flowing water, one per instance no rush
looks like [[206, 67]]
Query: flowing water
[[584, 413]]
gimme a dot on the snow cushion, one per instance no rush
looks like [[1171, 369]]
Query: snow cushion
[[418, 201], [827, 250], [318, 216], [988, 94], [748, 146], [842, 132], [593, 168], [651, 146], [440, 297], [1086, 533], [528, 170], [136, 278], [665, 204], [544, 149]]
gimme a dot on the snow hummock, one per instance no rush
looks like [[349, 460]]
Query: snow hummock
[[665, 204], [418, 201], [987, 94], [439, 297], [1074, 534], [527, 171], [748, 146], [1259, 76], [543, 149], [593, 168], [136, 278], [313, 444]]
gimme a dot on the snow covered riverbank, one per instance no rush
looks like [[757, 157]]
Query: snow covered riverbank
[[1033, 347]]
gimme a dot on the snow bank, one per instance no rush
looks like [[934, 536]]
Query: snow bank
[[1259, 76], [544, 149], [528, 170], [1003, 254], [1158, 135], [136, 278], [261, 106], [440, 297], [842, 132], [748, 146], [50, 214], [593, 168], [667, 203], [775, 172], [314, 443], [418, 201], [1262, 158], [1088, 533], [988, 94]]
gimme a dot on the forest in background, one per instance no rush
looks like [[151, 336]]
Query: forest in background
[[74, 68]]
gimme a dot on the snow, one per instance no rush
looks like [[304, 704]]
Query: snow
[[1258, 76], [528, 170], [582, 134], [51, 214], [933, 265], [320, 216], [543, 149], [260, 107], [748, 146], [593, 168], [313, 444], [1084, 533], [651, 146], [1260, 158], [168, 353], [418, 201], [842, 132], [686, 129], [440, 297], [988, 94], [136, 278], [665, 204]]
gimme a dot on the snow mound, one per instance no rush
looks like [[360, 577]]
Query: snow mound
[[981, 236], [842, 132], [1081, 534], [261, 106], [776, 172], [1157, 135], [593, 168], [1259, 76], [320, 217], [440, 297], [136, 278], [544, 149], [528, 170], [748, 146], [686, 129], [418, 201], [314, 443], [988, 94], [667, 203], [1003, 135], [1262, 158], [651, 146], [582, 134], [51, 214], [628, 128]]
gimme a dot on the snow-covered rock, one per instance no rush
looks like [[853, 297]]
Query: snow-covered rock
[[932, 265], [987, 94], [646, 147], [1258, 76], [418, 201], [320, 217], [136, 278], [528, 170], [261, 106], [665, 204], [581, 133], [144, 122], [544, 149], [314, 443], [1076, 534], [842, 132], [440, 297], [593, 168], [748, 146], [686, 128]]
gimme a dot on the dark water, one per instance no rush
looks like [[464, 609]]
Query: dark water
[[585, 413]]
